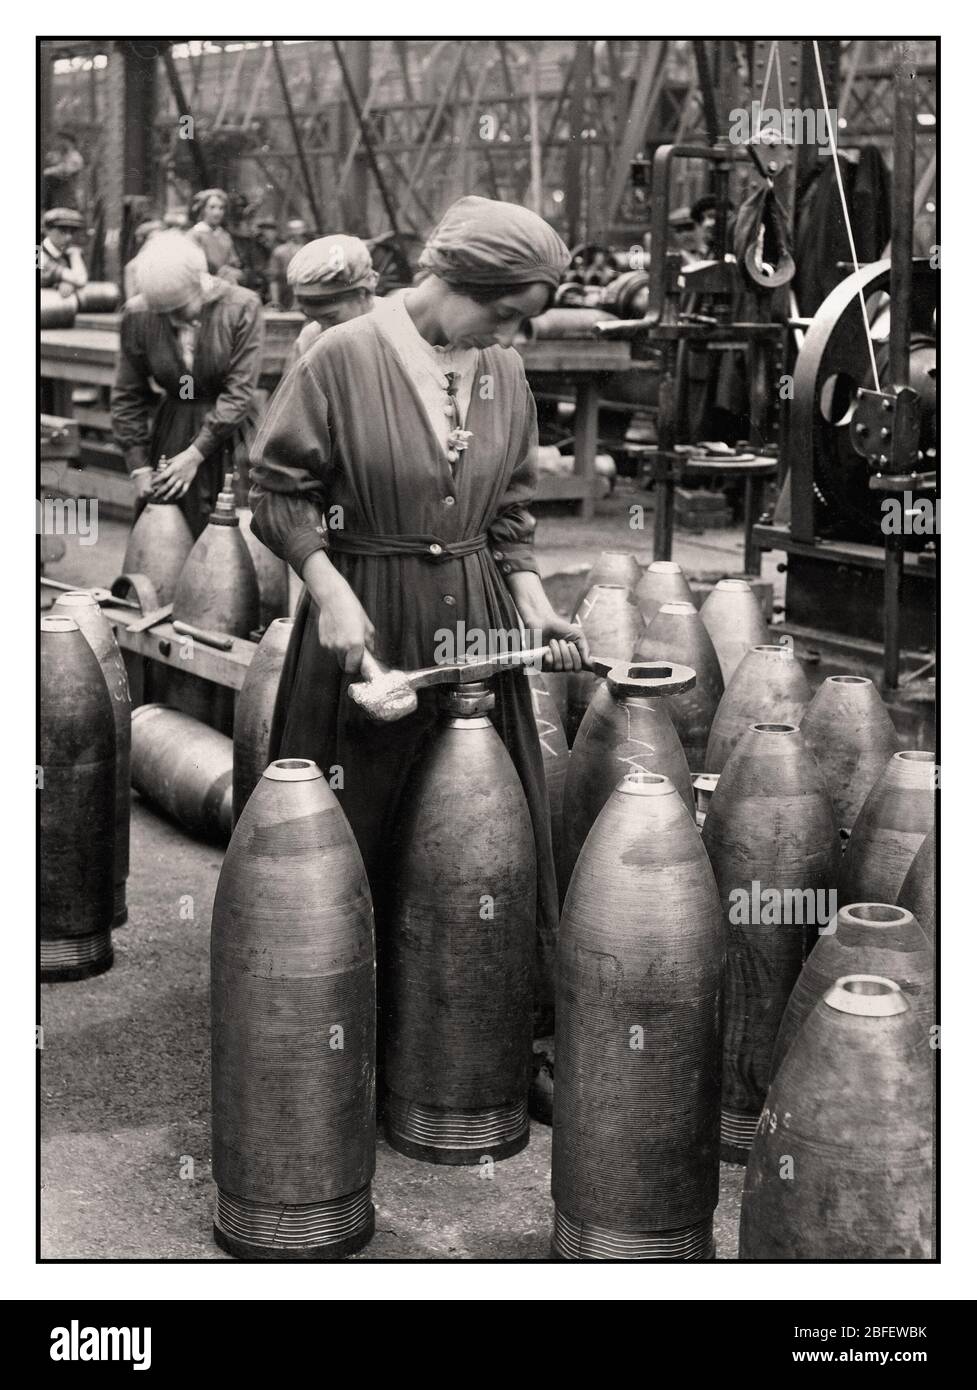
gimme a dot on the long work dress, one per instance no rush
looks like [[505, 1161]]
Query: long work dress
[[347, 438], [208, 401]]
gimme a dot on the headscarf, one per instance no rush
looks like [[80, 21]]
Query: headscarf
[[171, 270], [330, 266], [492, 245]]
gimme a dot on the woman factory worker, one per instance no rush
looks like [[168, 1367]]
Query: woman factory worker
[[332, 281], [207, 213], [413, 431], [199, 339]]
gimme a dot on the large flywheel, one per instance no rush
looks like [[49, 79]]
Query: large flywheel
[[832, 365]]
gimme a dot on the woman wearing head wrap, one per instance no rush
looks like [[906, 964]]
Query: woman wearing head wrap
[[332, 281], [199, 340], [207, 213], [412, 431]]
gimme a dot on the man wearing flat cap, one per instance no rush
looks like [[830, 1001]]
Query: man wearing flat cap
[[280, 291], [60, 263], [332, 280]]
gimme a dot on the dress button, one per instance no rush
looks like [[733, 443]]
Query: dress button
[[436, 549], [496, 554], [506, 569], [449, 501], [449, 410], [452, 455], [449, 600]]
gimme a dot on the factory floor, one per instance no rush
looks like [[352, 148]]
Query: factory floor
[[125, 1088]]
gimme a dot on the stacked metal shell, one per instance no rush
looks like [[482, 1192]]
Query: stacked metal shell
[[217, 590], [734, 620], [893, 823], [556, 761], [851, 737], [77, 790], [293, 1019], [771, 839], [255, 709], [456, 959], [612, 624], [638, 1036], [864, 939], [158, 546], [676, 633], [662, 582], [768, 687], [918, 892], [841, 1167], [97, 631], [627, 727]]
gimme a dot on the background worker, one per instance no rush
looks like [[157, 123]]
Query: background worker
[[60, 262], [332, 280], [279, 289]]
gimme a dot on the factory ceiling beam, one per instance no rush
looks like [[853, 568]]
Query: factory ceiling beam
[[582, 56], [183, 111], [310, 191], [650, 68], [365, 135]]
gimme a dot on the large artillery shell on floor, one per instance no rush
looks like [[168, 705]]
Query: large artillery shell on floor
[[255, 709], [864, 939], [852, 738], [612, 624], [662, 582], [457, 964], [97, 631], [734, 620], [841, 1168], [617, 567], [76, 787], [627, 728], [638, 1036], [771, 839], [270, 572], [895, 819], [293, 1025], [918, 892], [158, 547], [556, 760], [185, 768], [677, 633], [769, 687]]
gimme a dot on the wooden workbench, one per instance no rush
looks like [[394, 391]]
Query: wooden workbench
[[85, 355]]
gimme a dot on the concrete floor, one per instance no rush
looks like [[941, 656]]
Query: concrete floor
[[125, 1098]]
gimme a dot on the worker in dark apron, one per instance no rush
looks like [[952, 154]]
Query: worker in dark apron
[[198, 340]]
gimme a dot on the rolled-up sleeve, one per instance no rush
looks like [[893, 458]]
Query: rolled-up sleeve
[[132, 395], [511, 530], [240, 378], [290, 464]]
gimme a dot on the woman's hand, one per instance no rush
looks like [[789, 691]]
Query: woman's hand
[[344, 627], [567, 643], [173, 481]]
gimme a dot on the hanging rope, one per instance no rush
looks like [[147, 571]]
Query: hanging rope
[[844, 209]]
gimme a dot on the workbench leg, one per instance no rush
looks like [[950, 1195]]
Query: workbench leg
[[751, 553], [664, 517], [890, 611], [585, 443]]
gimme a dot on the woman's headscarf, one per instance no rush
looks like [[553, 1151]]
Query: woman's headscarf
[[171, 270], [491, 245], [331, 265]]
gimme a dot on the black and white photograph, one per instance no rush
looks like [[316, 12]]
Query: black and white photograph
[[487, 707]]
